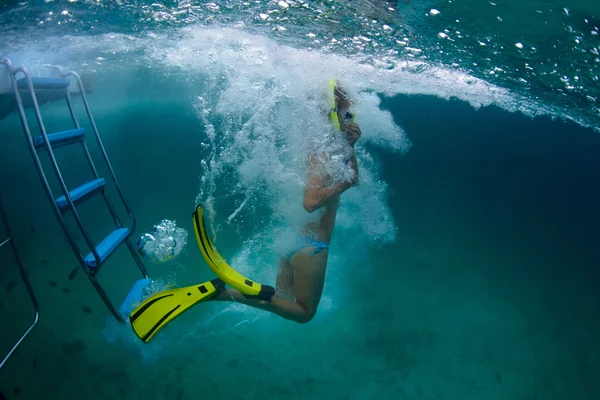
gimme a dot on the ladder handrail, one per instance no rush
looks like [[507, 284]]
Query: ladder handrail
[[71, 110], [111, 209], [101, 145], [25, 279], [90, 161]]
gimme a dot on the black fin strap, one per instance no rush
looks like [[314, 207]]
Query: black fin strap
[[219, 286], [266, 293]]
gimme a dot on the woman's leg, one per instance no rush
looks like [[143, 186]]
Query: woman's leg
[[285, 280], [309, 277]]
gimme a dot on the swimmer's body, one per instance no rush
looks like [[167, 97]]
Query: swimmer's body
[[301, 277]]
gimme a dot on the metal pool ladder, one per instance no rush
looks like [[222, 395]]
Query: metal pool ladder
[[47, 142]]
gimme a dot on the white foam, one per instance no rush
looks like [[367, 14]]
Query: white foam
[[234, 58], [273, 101], [253, 71]]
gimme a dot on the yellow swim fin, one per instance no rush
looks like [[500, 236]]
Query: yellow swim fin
[[223, 270], [161, 308]]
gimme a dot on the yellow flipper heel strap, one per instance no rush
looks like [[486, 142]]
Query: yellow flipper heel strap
[[223, 270], [161, 308]]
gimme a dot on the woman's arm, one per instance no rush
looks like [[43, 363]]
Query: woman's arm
[[317, 194]]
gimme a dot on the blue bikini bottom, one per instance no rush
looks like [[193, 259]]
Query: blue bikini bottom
[[303, 241]]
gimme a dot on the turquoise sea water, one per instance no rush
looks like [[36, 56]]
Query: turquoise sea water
[[464, 266]]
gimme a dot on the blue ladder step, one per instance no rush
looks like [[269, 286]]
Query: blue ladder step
[[107, 247], [81, 193], [60, 138], [134, 296], [44, 83]]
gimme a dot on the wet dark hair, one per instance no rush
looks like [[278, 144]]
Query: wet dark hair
[[341, 94]]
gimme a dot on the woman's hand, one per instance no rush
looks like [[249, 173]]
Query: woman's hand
[[353, 133]]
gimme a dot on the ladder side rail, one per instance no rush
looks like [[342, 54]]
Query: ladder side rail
[[89, 160], [110, 207], [24, 277], [53, 162], [102, 149], [107, 201], [111, 307], [88, 157], [72, 110], [136, 257], [130, 247]]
